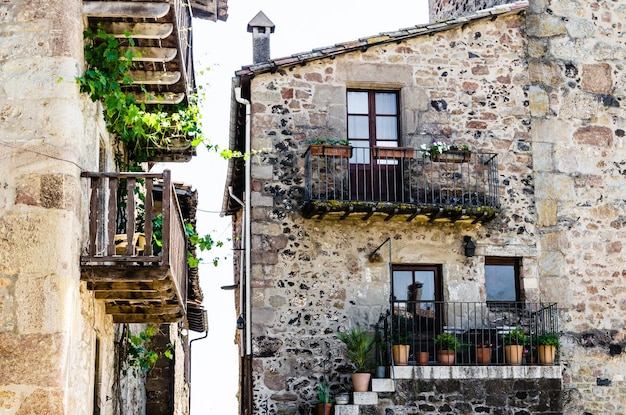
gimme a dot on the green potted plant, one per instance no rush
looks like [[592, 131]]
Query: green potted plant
[[483, 352], [514, 342], [323, 406], [358, 344], [401, 340], [548, 345], [447, 345], [330, 147]]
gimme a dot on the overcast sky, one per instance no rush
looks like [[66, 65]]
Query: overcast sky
[[224, 47]]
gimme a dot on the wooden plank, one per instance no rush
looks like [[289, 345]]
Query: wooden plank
[[130, 216], [143, 309], [111, 285], [112, 218], [134, 295], [154, 78], [93, 216], [148, 54], [138, 30], [148, 318], [162, 98], [119, 9], [167, 216], [124, 272], [149, 208]]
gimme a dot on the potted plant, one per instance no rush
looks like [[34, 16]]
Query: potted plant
[[381, 354], [483, 352], [548, 345], [330, 147], [440, 151], [343, 397], [358, 344], [514, 342], [323, 406], [401, 340], [380, 152], [447, 344]]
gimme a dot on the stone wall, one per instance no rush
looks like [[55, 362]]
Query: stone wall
[[472, 396], [312, 278], [576, 51], [446, 9], [50, 323]]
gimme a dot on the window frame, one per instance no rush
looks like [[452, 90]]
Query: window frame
[[516, 263], [372, 114]]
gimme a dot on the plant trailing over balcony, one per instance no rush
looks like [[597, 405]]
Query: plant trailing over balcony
[[140, 357], [436, 148], [139, 127]]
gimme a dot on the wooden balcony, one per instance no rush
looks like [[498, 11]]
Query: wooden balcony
[[401, 184], [163, 71], [139, 282]]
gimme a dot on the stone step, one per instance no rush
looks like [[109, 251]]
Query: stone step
[[383, 385], [365, 398], [346, 409]]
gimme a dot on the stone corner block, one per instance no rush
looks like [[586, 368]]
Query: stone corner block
[[365, 398], [383, 385], [346, 409], [403, 372]]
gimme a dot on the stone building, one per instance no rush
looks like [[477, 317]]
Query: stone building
[[526, 232], [71, 296]]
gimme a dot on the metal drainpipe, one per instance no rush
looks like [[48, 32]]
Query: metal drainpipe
[[247, 219], [241, 267], [206, 333]]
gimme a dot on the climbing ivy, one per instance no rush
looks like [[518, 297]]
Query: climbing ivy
[[139, 356], [141, 128]]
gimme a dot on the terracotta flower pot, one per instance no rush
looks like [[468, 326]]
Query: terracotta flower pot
[[423, 358], [361, 381], [547, 354], [513, 354], [446, 357], [323, 408], [483, 355], [401, 354]]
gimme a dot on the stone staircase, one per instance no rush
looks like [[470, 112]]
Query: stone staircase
[[366, 398]]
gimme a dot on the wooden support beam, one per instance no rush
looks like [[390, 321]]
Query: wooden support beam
[[391, 215], [480, 218], [162, 98], [148, 54], [121, 9], [148, 318], [147, 308], [370, 213], [347, 213], [154, 78], [138, 30], [414, 214], [436, 215]]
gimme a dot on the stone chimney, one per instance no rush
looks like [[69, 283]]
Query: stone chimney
[[261, 27]]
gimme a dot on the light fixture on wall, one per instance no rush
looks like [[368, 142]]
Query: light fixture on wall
[[240, 323], [470, 246]]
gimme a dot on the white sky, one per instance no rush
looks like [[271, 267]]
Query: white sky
[[224, 47]]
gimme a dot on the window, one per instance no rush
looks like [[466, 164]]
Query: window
[[502, 279], [372, 121]]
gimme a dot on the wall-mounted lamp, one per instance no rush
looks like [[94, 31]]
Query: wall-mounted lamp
[[240, 323], [470, 246]]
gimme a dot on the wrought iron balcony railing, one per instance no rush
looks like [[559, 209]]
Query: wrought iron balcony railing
[[473, 326], [456, 185], [140, 279]]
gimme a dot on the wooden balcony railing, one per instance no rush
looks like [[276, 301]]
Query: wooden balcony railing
[[140, 281], [401, 182]]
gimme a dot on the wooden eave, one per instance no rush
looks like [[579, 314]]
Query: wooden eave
[[136, 293], [386, 211]]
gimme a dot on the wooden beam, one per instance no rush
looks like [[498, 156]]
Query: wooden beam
[[154, 78], [138, 30], [147, 54], [135, 295], [162, 98], [113, 285], [119, 9], [144, 309], [147, 318]]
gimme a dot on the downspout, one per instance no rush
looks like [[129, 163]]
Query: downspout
[[206, 333], [242, 345], [247, 231]]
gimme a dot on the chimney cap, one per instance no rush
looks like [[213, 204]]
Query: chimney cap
[[260, 20]]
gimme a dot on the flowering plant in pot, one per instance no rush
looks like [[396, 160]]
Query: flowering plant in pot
[[359, 343], [330, 147]]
